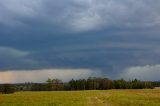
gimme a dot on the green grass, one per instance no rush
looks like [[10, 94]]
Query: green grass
[[83, 98]]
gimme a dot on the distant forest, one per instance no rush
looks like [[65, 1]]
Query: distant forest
[[92, 83]]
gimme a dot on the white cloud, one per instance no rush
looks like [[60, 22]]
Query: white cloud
[[43, 74], [148, 72]]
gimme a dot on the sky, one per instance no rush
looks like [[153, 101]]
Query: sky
[[79, 38]]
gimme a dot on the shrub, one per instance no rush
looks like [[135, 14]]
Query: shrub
[[7, 89]]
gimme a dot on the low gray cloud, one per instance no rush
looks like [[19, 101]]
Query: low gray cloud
[[147, 73], [12, 52], [12, 58]]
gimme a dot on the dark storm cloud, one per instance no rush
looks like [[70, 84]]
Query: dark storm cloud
[[79, 15], [106, 35]]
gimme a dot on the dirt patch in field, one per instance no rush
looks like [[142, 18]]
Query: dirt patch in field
[[157, 87], [97, 101]]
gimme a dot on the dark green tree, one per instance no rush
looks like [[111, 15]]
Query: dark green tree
[[7, 88]]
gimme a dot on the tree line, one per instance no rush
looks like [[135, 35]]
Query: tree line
[[92, 83]]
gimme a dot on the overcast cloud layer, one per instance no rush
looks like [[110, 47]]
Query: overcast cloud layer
[[105, 35]]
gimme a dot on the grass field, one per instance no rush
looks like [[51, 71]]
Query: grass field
[[83, 98]]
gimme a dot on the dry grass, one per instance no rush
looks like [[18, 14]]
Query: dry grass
[[83, 98]]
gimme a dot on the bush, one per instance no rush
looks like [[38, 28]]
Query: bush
[[7, 89]]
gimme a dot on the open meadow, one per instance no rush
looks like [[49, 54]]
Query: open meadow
[[145, 97]]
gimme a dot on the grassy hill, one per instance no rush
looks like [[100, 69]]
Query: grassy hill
[[145, 97]]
